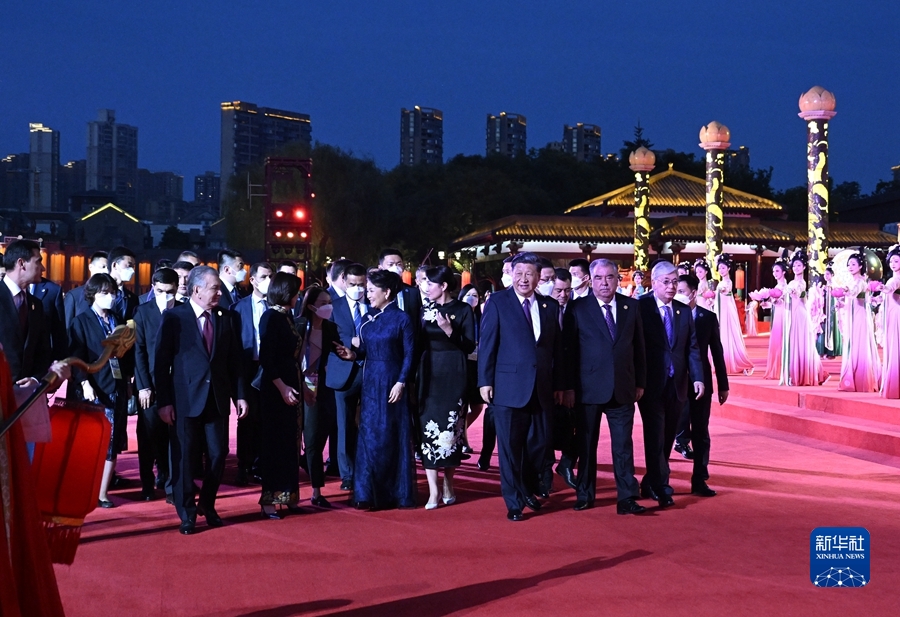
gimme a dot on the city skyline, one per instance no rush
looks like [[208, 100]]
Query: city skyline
[[350, 69]]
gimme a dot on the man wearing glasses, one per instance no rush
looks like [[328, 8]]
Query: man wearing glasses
[[673, 360]]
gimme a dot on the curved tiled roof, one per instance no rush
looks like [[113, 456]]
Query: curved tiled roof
[[551, 229]]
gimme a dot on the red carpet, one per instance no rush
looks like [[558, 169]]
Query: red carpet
[[744, 552]]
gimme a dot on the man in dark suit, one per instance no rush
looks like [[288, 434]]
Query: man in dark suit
[[197, 372], [74, 302], [604, 348], [695, 424], [520, 374], [408, 298], [673, 363], [231, 274], [345, 378], [24, 332], [51, 297], [122, 262], [563, 418], [249, 310], [152, 433], [183, 270]]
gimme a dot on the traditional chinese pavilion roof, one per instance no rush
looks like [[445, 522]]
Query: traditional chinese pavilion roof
[[839, 235], [550, 229], [735, 231], [674, 191]]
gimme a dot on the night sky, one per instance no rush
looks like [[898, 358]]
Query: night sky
[[165, 67]]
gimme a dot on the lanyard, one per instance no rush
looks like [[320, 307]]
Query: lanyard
[[107, 330]]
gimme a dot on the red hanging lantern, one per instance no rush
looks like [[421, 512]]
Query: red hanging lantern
[[68, 471], [466, 278], [407, 277]]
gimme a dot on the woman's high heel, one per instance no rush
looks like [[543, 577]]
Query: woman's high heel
[[269, 514]]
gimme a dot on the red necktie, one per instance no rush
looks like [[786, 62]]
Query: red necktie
[[22, 305], [208, 332]]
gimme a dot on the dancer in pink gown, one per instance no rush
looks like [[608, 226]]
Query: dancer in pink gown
[[860, 366], [800, 363], [773, 359], [733, 348], [890, 311], [701, 269]]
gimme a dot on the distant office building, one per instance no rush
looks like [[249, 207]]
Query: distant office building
[[421, 135], [582, 141], [206, 191], [43, 165], [738, 159], [250, 133], [156, 191], [72, 180], [506, 134], [112, 158], [14, 174]]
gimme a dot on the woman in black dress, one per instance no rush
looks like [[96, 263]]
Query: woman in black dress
[[447, 337], [107, 387], [319, 336], [281, 398]]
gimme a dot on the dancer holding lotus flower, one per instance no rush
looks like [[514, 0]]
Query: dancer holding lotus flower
[[890, 313], [736, 358], [860, 368], [705, 293], [773, 359], [801, 365]]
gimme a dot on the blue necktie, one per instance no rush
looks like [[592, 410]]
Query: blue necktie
[[357, 317], [670, 333], [610, 324]]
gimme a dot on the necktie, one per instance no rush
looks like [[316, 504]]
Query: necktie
[[670, 333], [357, 317], [526, 305], [207, 332], [610, 323], [22, 307], [562, 312]]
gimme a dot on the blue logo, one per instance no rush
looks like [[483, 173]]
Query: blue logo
[[839, 557]]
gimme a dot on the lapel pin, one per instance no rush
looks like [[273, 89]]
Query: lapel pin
[[678, 312], [452, 316], [544, 305], [625, 306]]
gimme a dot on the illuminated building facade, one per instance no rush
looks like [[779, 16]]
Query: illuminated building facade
[[506, 134], [582, 141], [43, 165], [112, 158], [421, 135]]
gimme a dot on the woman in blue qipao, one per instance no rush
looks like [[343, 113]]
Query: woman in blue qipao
[[385, 475]]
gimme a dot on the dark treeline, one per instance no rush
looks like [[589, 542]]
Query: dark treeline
[[359, 208]]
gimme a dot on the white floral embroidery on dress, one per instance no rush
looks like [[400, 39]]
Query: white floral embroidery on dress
[[443, 443]]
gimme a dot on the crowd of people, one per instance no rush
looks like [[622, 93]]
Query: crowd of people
[[388, 375]]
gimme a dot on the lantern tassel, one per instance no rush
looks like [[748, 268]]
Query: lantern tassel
[[63, 536]]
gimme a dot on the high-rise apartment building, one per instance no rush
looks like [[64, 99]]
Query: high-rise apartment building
[[250, 133], [112, 158], [14, 174], [737, 160], [206, 190], [43, 165], [72, 180], [506, 134], [582, 141], [421, 135]]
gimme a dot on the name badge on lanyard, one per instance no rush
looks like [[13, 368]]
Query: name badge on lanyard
[[114, 367]]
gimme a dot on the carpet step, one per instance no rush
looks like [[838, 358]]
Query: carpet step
[[880, 437]]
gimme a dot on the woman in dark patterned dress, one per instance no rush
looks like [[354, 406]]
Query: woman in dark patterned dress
[[280, 397], [447, 337]]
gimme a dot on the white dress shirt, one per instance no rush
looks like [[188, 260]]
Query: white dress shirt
[[535, 313]]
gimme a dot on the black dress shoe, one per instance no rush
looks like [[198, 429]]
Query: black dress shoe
[[685, 451], [702, 490], [666, 501], [515, 515], [648, 493], [170, 500], [532, 503], [566, 474], [583, 505], [320, 502], [242, 479], [482, 465], [362, 505], [148, 495], [105, 503], [273, 515], [630, 506], [347, 485], [161, 482], [186, 528], [212, 517], [543, 492]]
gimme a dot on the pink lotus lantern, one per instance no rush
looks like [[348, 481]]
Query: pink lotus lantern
[[875, 286], [838, 292], [775, 293], [709, 294]]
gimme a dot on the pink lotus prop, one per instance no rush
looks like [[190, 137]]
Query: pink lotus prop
[[775, 293], [838, 292], [875, 286], [709, 294]]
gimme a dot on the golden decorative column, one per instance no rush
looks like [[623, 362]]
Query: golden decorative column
[[817, 108], [715, 139], [641, 162]]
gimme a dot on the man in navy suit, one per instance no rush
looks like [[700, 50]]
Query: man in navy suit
[[152, 433], [231, 273], [604, 343], [673, 363], [694, 425], [122, 262], [197, 372], [345, 378], [24, 334], [74, 302], [520, 374], [249, 310], [51, 296]]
